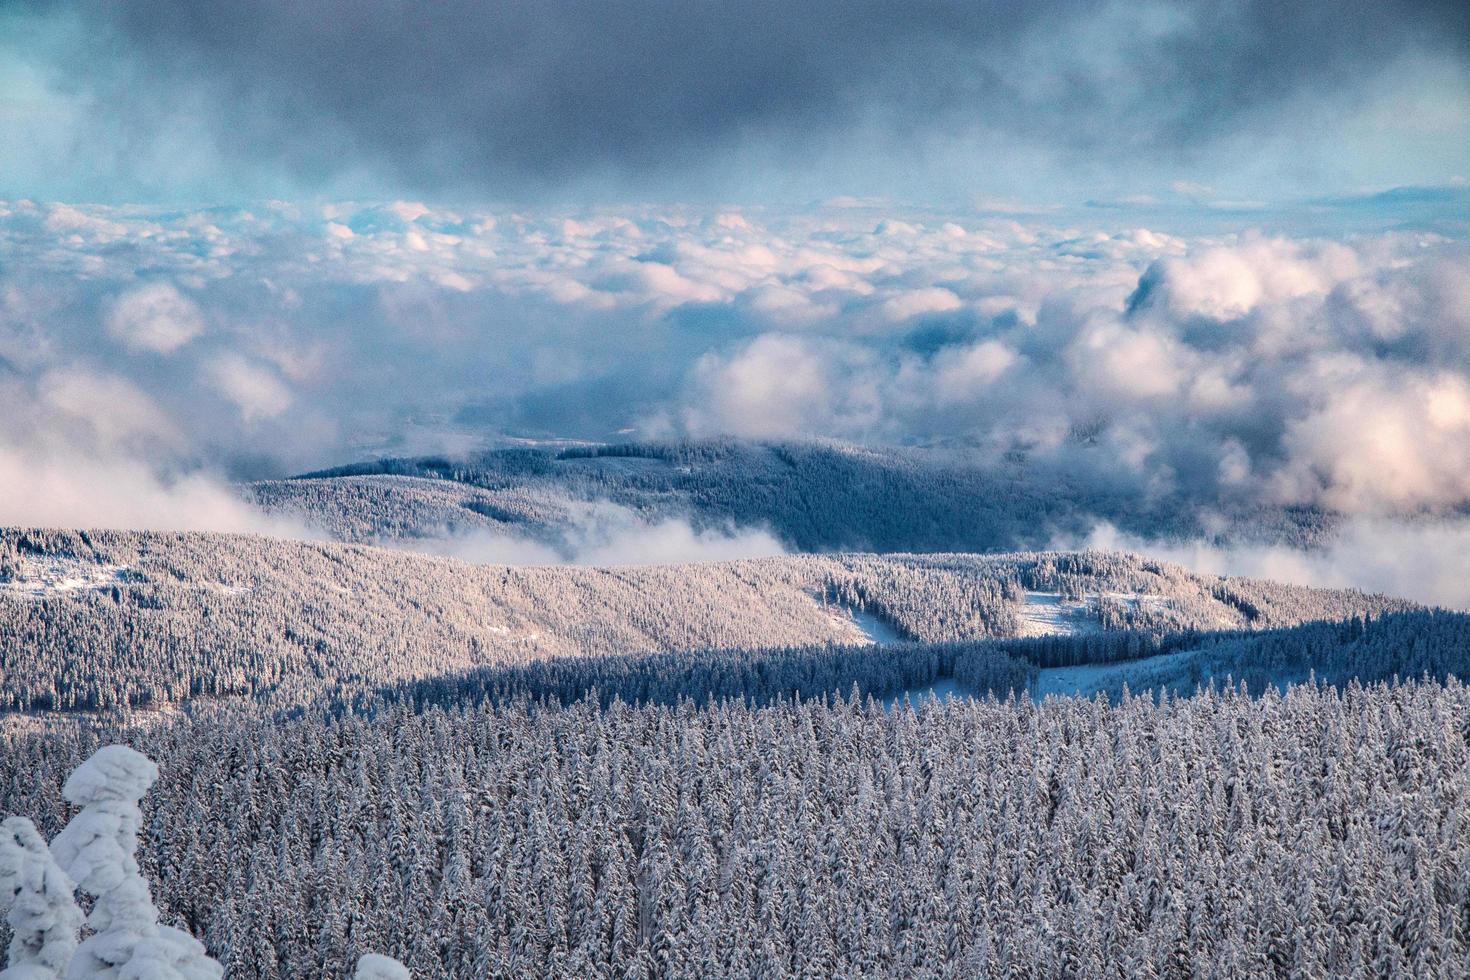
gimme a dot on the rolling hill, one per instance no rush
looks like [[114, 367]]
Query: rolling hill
[[813, 496], [98, 619]]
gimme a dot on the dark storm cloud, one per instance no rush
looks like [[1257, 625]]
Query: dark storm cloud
[[535, 92]]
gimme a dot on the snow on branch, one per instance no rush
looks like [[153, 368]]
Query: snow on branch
[[43, 915], [96, 849]]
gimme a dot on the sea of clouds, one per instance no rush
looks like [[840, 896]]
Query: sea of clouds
[[142, 347]]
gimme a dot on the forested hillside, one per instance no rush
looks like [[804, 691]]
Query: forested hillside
[[96, 619], [713, 770], [1318, 834], [366, 509], [815, 496]]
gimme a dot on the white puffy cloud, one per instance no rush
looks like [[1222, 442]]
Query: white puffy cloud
[[1427, 561], [964, 373], [80, 448], [1381, 440], [46, 489], [155, 317], [256, 391], [783, 386], [1230, 281], [107, 411], [918, 302], [1132, 364]]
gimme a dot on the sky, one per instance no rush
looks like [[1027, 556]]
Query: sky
[[937, 102], [1213, 250]]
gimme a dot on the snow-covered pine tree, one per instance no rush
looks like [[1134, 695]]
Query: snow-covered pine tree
[[42, 912], [96, 850]]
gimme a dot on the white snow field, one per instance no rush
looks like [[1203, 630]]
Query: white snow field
[[1049, 614], [875, 628], [43, 575]]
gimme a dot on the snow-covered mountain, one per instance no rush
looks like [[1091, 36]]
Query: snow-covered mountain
[[813, 496], [94, 619]]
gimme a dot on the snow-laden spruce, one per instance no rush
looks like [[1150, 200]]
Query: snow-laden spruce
[[42, 912], [1317, 833], [96, 849], [96, 853]]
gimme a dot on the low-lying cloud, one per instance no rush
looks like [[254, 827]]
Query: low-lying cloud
[[1425, 561], [602, 534], [85, 448], [73, 492]]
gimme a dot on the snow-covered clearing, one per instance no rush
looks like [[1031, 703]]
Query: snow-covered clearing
[[43, 575], [1049, 614], [875, 628], [869, 627], [223, 589]]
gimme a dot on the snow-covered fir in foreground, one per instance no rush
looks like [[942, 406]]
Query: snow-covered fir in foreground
[[42, 910], [95, 852]]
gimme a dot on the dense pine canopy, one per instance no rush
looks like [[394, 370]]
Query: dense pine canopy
[[708, 770], [1320, 833]]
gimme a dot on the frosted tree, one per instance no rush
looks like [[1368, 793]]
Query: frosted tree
[[375, 966], [43, 916], [96, 850]]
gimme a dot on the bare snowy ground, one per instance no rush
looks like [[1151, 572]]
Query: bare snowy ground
[[43, 575], [1049, 614], [40, 576], [861, 626], [875, 628]]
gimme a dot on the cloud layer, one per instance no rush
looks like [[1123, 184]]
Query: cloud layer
[[1221, 369]]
